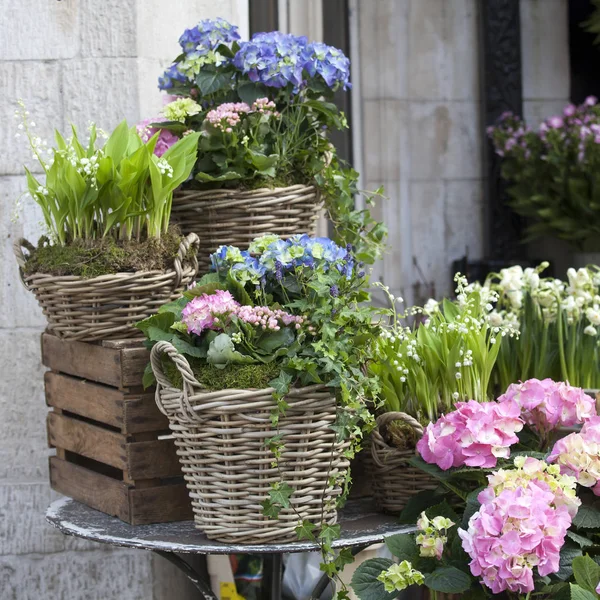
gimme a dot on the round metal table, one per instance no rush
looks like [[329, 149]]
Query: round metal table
[[361, 527]]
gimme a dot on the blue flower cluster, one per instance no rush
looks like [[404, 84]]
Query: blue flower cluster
[[270, 257], [172, 74], [207, 35], [277, 59]]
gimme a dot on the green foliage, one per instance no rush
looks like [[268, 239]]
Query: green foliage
[[121, 190], [365, 583], [592, 23], [448, 580], [587, 573]]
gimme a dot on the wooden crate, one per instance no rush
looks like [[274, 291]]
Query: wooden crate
[[105, 429]]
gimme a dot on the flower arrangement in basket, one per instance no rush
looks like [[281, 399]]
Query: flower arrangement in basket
[[447, 356], [558, 323], [525, 521], [260, 369], [264, 111], [553, 172], [109, 258]]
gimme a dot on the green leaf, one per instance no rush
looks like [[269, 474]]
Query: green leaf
[[281, 383], [329, 533], [272, 340], [270, 509], [184, 347], [221, 352], [305, 531], [148, 379], [417, 504], [160, 322], [402, 546], [568, 554], [580, 540], [249, 92], [364, 581], [579, 593], [207, 288], [344, 557], [449, 580], [587, 573], [210, 82], [238, 291], [587, 517], [280, 494]]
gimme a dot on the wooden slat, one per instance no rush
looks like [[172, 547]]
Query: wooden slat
[[130, 413], [98, 491], [87, 440], [118, 367], [154, 459], [160, 504]]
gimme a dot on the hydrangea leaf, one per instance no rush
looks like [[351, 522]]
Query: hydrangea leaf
[[568, 554], [587, 517], [448, 580], [587, 573], [402, 545], [364, 581], [580, 540], [579, 593], [210, 82]]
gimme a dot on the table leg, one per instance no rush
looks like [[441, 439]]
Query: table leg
[[191, 573], [272, 577]]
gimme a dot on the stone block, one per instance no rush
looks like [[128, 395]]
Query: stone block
[[383, 48], [464, 220], [428, 249], [170, 582], [20, 308], [34, 30], [536, 111], [117, 575], [545, 49], [108, 28], [102, 90], [38, 84], [23, 444], [151, 99], [445, 140], [442, 59]]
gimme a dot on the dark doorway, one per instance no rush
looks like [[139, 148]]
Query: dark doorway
[[584, 54]]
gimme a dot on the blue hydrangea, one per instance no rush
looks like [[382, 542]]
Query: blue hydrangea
[[273, 59], [227, 256], [172, 74], [207, 35], [329, 63]]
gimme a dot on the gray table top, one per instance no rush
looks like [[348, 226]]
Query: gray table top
[[360, 524]]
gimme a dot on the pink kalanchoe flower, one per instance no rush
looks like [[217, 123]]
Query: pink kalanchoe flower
[[208, 311], [555, 122], [165, 139], [547, 405], [521, 525], [475, 434], [591, 101]]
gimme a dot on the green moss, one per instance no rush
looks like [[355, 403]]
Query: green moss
[[91, 258], [401, 435], [232, 377]]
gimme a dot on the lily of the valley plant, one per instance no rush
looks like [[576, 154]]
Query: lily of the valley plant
[[518, 523]]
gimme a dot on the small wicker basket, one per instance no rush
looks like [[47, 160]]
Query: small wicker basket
[[106, 307], [228, 467], [233, 217], [395, 481]]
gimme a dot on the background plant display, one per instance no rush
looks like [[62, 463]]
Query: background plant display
[[557, 323], [553, 172], [523, 522], [98, 195], [264, 111]]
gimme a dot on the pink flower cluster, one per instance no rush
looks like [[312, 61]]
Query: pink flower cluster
[[475, 434], [578, 455], [267, 318], [546, 405], [165, 139], [263, 105], [208, 311], [227, 115], [515, 530]]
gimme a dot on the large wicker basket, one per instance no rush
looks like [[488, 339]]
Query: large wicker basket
[[106, 307], [227, 464], [395, 481], [235, 217]]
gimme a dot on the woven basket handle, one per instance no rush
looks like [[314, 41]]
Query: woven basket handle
[[387, 418], [191, 240], [20, 256]]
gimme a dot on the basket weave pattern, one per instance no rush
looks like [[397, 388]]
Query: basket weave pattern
[[220, 438], [236, 217], [395, 481], [106, 307]]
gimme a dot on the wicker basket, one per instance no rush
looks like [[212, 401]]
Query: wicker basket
[[106, 307], [220, 438], [235, 217], [394, 479]]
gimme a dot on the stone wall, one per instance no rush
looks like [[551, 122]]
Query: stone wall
[[419, 105], [74, 60]]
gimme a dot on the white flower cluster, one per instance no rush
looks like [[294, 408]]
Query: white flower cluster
[[164, 167]]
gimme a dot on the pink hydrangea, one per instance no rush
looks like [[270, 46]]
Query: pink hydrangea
[[475, 434], [578, 455], [165, 139], [547, 405], [514, 531], [208, 311]]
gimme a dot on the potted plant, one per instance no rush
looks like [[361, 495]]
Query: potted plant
[[260, 372], [557, 322], [446, 356], [525, 522], [553, 174], [265, 163], [110, 257]]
